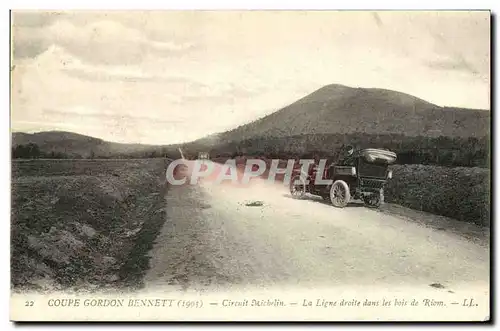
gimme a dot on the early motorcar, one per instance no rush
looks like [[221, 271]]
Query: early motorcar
[[203, 156], [360, 175]]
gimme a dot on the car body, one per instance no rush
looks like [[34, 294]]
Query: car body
[[360, 175]]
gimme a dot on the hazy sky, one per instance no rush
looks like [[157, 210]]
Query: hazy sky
[[164, 77]]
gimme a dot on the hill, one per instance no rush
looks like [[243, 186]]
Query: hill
[[335, 115], [76, 145], [338, 109], [321, 122]]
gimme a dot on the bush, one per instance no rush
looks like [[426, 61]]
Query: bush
[[459, 193], [29, 151]]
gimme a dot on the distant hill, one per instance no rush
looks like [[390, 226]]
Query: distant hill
[[336, 115], [77, 145], [321, 122], [338, 109]]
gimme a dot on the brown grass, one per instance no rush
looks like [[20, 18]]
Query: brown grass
[[73, 229]]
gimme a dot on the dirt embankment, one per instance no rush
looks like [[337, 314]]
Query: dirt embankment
[[78, 231]]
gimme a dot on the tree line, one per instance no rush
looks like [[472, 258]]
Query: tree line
[[445, 151], [33, 151]]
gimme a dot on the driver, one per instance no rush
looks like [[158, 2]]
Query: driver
[[348, 155]]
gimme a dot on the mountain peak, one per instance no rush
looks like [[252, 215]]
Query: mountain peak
[[340, 109]]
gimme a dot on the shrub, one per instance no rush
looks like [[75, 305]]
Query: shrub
[[459, 193]]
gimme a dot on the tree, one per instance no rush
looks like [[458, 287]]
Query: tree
[[29, 151]]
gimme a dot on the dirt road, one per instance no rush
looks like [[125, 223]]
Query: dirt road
[[217, 236]]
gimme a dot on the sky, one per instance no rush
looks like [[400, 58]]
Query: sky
[[161, 77]]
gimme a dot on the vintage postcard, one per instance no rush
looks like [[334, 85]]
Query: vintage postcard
[[250, 165]]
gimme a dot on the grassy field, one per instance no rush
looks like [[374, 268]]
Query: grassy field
[[83, 224]]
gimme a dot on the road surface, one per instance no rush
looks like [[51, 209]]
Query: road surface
[[213, 240]]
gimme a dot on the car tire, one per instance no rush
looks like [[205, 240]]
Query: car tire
[[340, 194], [298, 191], [374, 200]]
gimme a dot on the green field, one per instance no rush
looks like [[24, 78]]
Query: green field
[[83, 224]]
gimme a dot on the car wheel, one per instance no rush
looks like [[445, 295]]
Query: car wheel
[[340, 194], [374, 200], [298, 187]]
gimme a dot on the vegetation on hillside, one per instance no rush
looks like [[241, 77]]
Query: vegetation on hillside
[[59, 144], [338, 109], [33, 151], [446, 151]]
